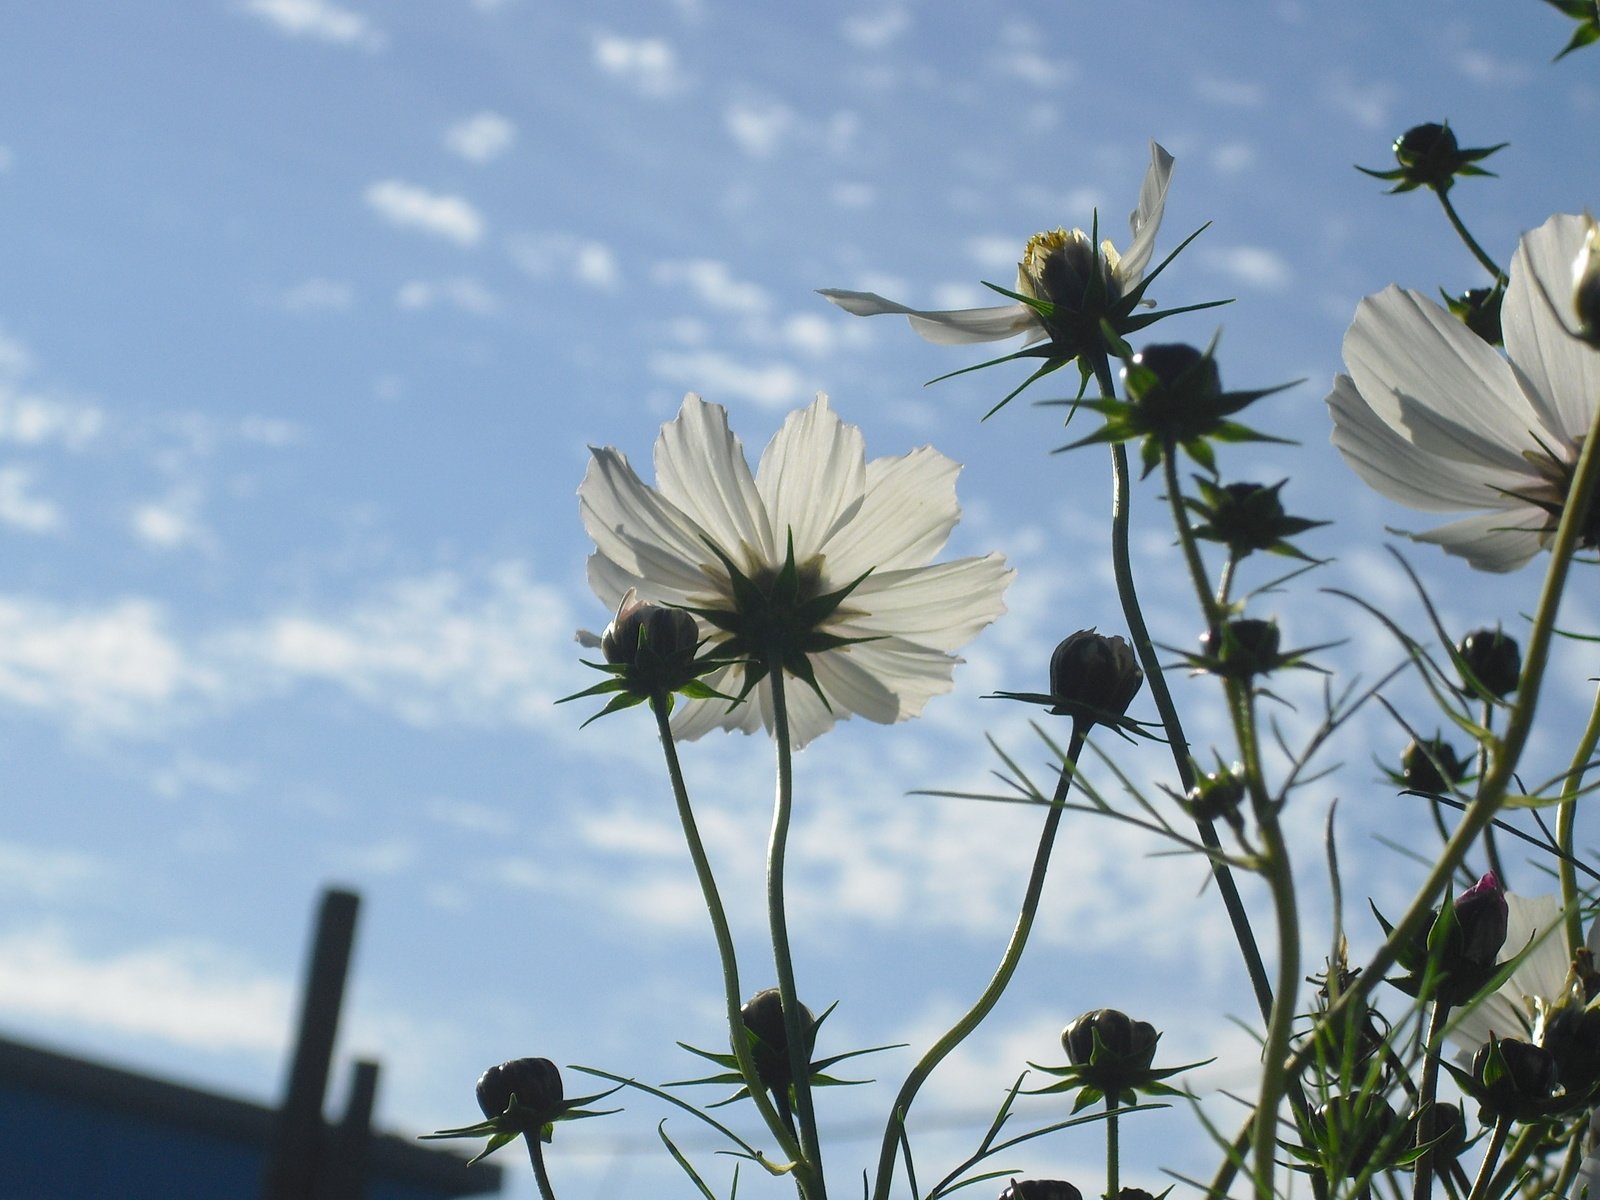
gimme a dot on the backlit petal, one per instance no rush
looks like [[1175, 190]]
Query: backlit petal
[[1145, 220], [1493, 541], [906, 515], [948, 327], [701, 468], [812, 477], [1561, 371]]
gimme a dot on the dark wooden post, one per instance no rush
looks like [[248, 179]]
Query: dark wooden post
[[292, 1158]]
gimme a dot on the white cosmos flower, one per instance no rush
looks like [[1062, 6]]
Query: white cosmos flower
[[1534, 925], [1035, 272], [846, 516], [1434, 417]]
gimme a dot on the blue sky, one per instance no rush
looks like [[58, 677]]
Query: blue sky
[[308, 310]]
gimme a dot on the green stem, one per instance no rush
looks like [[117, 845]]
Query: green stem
[[1566, 812], [1001, 979], [1113, 1151], [1490, 850], [1497, 1142], [808, 1170], [1422, 1187], [1496, 780], [1177, 740], [1471, 242], [719, 927], [541, 1177]]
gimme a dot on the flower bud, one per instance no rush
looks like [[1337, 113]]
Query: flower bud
[[1093, 677], [1571, 1033], [535, 1085], [1112, 1051], [1177, 365], [1041, 1189], [1493, 659], [1352, 1130], [1479, 310], [1448, 1129], [1428, 153], [1243, 647], [1513, 1079], [1218, 797], [1586, 284], [1481, 914], [1247, 517], [665, 631], [763, 1016], [1431, 766]]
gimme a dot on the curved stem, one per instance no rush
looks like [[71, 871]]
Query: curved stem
[[1471, 242], [1177, 740], [1565, 814], [998, 983], [808, 1170], [541, 1177], [719, 927]]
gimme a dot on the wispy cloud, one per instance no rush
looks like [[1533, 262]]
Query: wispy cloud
[[1251, 266], [319, 295], [185, 993], [544, 256], [712, 282], [408, 206], [317, 20], [463, 293], [482, 137], [721, 377], [875, 30], [34, 416], [22, 509], [648, 65], [173, 521], [45, 872]]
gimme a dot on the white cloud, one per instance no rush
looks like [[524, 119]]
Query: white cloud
[[44, 872], [591, 263], [32, 417], [318, 20], [1233, 157], [319, 295], [875, 30], [1366, 102], [711, 282], [1252, 266], [172, 522], [407, 206], [482, 137], [431, 650], [462, 292], [1230, 93], [758, 126], [182, 992], [110, 668], [21, 509], [721, 378], [853, 194], [648, 65]]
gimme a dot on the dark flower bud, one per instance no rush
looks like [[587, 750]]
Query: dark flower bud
[[1481, 915], [1218, 797], [1479, 310], [1247, 517], [1041, 1189], [1513, 1079], [763, 1016], [1175, 389], [1572, 1036], [1448, 1130], [535, 1086], [1430, 156], [665, 632], [1093, 677], [1352, 1130], [1133, 1193], [1112, 1051], [1493, 660], [1431, 766], [1242, 648]]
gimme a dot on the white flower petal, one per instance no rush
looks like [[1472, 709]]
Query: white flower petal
[[1493, 541], [701, 468], [906, 515], [1392, 464], [918, 673], [948, 327], [1562, 372], [1533, 924], [636, 528], [1145, 220], [939, 607], [812, 478], [1435, 381]]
